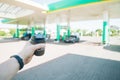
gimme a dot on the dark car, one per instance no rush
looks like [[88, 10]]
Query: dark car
[[72, 39], [26, 36], [38, 38]]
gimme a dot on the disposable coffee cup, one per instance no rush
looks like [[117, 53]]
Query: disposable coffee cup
[[38, 39]]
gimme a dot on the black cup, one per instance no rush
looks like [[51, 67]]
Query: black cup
[[37, 39]]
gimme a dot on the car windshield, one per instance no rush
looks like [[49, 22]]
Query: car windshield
[[39, 36], [72, 36]]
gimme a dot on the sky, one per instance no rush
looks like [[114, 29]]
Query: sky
[[91, 25]]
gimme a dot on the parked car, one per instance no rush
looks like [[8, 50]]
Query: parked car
[[38, 38], [26, 36], [72, 39]]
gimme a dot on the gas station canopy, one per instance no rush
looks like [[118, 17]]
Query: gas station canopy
[[53, 5], [25, 11]]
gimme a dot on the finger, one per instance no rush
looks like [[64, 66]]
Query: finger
[[38, 46], [28, 43]]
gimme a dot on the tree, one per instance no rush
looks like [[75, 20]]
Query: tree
[[12, 31], [39, 28], [99, 32], [78, 31], [91, 33], [2, 33], [84, 32], [113, 32], [118, 32], [23, 29]]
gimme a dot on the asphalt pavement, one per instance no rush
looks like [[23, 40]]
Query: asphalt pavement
[[86, 60]]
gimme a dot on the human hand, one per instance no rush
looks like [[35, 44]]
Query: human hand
[[28, 51]]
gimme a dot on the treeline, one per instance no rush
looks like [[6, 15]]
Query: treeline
[[11, 32], [97, 32]]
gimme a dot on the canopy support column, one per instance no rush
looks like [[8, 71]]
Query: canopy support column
[[32, 28], [17, 30], [44, 31], [105, 33], [58, 27], [58, 33], [68, 24]]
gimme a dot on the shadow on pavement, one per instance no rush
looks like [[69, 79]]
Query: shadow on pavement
[[6, 40], [113, 48], [93, 43], [73, 67]]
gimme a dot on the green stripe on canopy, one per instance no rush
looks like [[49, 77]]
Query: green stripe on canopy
[[7, 20], [69, 3]]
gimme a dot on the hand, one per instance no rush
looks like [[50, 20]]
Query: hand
[[28, 51]]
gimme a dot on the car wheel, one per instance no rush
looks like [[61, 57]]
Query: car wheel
[[73, 41]]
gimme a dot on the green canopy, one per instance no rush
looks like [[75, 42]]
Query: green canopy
[[69, 3]]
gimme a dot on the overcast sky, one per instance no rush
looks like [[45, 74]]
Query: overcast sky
[[89, 25]]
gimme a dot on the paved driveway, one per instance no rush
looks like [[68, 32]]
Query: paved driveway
[[66, 55]]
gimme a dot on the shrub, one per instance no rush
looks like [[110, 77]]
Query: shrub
[[2, 33], [12, 31]]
